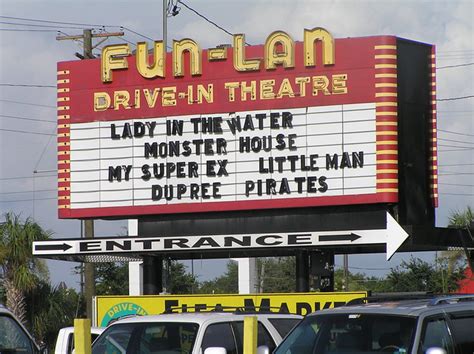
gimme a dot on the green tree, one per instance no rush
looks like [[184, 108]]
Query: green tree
[[461, 220], [225, 284], [418, 275], [20, 271], [111, 278], [277, 274], [51, 308], [181, 282], [358, 282]]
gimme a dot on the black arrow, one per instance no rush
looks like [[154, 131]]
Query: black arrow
[[56, 247], [345, 237]]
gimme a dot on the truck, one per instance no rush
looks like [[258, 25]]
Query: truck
[[65, 340]]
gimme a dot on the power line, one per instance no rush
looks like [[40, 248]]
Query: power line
[[456, 141], [25, 85], [451, 132], [24, 30], [25, 132], [455, 98], [207, 19], [456, 193], [455, 173], [454, 66], [457, 164], [30, 119], [32, 25], [26, 200], [77, 24], [26, 177], [28, 103], [56, 22], [457, 185], [32, 191]]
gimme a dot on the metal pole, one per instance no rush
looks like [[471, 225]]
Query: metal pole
[[165, 20], [346, 272], [89, 276]]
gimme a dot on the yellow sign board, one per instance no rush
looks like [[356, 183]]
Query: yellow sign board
[[108, 308]]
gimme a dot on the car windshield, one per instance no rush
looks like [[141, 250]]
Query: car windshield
[[350, 333], [12, 337], [147, 338]]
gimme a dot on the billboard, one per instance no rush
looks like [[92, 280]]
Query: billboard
[[281, 125], [108, 308]]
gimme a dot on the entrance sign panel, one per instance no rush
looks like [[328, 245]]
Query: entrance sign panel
[[392, 236], [287, 124]]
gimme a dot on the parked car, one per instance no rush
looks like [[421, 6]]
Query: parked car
[[191, 333], [14, 338], [65, 340], [434, 325]]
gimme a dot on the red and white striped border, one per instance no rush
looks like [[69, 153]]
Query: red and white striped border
[[386, 116], [433, 131], [64, 141]]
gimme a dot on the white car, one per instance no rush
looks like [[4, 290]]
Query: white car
[[191, 333], [65, 340]]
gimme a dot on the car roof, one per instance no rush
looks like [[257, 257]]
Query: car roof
[[414, 307], [201, 317]]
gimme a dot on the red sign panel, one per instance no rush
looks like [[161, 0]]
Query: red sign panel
[[227, 139]]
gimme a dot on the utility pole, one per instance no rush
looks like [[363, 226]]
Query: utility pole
[[89, 270], [346, 271], [165, 24]]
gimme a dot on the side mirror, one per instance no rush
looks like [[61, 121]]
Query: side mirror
[[435, 350], [215, 350], [263, 349]]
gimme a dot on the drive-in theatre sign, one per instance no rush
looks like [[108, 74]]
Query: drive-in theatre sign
[[280, 125]]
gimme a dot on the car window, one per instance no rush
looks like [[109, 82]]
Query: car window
[[284, 325], [147, 338], [263, 337], [462, 325], [219, 335], [13, 338], [355, 333], [435, 334]]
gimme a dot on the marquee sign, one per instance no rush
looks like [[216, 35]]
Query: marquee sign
[[280, 125]]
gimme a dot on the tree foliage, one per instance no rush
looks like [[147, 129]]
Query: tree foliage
[[51, 308], [228, 283], [19, 270], [111, 278], [276, 275], [181, 282]]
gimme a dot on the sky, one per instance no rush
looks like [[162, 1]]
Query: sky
[[30, 51]]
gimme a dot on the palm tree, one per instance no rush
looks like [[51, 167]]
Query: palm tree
[[461, 220], [19, 270]]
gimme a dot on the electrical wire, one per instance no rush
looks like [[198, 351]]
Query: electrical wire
[[456, 141], [454, 66], [25, 85], [26, 200], [32, 25], [451, 132], [455, 98], [24, 30], [31, 191], [28, 104], [48, 21], [25, 132], [206, 19], [29, 119], [26, 177]]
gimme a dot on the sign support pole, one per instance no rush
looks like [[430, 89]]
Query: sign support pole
[[302, 271]]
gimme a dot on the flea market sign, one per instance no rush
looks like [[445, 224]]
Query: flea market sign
[[280, 125]]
